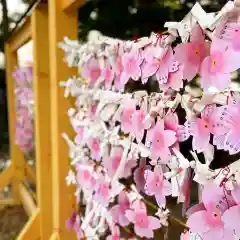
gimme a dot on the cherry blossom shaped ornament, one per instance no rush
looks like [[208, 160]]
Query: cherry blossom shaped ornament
[[156, 185], [209, 223], [91, 71], [216, 68], [143, 224], [161, 140], [108, 75], [131, 66], [118, 211], [94, 145], [129, 107], [138, 124], [191, 54], [115, 234], [112, 162], [102, 192], [139, 174]]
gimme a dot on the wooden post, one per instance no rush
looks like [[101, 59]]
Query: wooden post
[[41, 86], [61, 24], [17, 156], [31, 230]]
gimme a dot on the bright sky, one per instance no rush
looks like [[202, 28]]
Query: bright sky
[[25, 53], [15, 6]]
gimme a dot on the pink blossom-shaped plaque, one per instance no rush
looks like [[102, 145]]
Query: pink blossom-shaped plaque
[[209, 222], [161, 140], [112, 162], [126, 117], [157, 186], [118, 211], [94, 145], [143, 224], [191, 55]]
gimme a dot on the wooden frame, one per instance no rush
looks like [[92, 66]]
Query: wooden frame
[[55, 200], [40, 222], [63, 21]]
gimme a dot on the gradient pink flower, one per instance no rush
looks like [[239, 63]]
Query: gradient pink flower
[[202, 127], [191, 55], [24, 134], [161, 140], [231, 219], [107, 74], [152, 61], [184, 236], [102, 192], [231, 122], [19, 76], [91, 71], [216, 68], [118, 211], [166, 64], [80, 134], [71, 221], [118, 68], [139, 174], [229, 32], [118, 84], [156, 185], [131, 62], [127, 114], [92, 111], [174, 79], [171, 123], [28, 73], [235, 34], [138, 124], [94, 146], [209, 222], [188, 236], [129, 165], [85, 178], [74, 223], [115, 234], [143, 224], [112, 162]]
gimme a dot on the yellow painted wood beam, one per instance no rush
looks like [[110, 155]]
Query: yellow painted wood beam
[[16, 155], [72, 5], [55, 236], [21, 36], [6, 176], [30, 173], [61, 24], [31, 230], [8, 202], [41, 85], [26, 199]]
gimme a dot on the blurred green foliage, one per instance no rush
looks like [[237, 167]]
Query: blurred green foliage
[[127, 18]]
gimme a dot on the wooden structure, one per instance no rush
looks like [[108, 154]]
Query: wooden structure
[[47, 26]]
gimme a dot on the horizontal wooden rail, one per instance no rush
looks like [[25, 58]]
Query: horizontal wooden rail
[[8, 202], [26, 199], [21, 36]]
